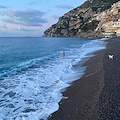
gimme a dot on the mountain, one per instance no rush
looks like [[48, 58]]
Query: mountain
[[78, 22]]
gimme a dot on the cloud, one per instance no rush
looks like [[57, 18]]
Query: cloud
[[25, 30], [3, 7], [4, 26], [64, 6], [26, 18], [32, 3]]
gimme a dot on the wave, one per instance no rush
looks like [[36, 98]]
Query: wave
[[33, 89]]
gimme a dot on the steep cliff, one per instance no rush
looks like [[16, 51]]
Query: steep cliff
[[77, 22]]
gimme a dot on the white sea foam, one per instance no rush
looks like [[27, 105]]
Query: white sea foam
[[35, 93]]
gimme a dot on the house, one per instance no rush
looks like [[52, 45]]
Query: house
[[118, 32], [109, 33], [111, 18], [115, 11]]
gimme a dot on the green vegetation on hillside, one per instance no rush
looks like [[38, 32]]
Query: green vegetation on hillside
[[90, 26]]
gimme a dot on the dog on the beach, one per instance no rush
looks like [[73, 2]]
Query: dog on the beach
[[110, 56]]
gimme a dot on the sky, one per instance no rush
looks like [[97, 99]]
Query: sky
[[21, 18]]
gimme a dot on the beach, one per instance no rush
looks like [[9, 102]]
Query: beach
[[95, 96], [34, 74]]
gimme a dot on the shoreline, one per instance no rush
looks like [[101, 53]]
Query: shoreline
[[78, 93], [87, 96]]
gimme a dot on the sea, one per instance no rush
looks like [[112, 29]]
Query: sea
[[33, 73]]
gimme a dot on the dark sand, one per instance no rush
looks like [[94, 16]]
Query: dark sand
[[96, 96], [109, 105]]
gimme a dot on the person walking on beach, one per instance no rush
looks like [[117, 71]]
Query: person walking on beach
[[63, 55]]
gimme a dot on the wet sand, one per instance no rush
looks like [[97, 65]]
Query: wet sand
[[96, 95]]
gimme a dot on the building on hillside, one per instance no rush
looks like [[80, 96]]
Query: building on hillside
[[118, 32], [110, 18], [118, 4], [116, 23], [106, 24], [113, 17], [115, 11], [109, 33], [113, 30]]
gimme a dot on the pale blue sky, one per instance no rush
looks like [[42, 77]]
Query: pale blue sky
[[32, 17]]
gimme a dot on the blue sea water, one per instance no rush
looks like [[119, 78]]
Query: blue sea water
[[33, 73]]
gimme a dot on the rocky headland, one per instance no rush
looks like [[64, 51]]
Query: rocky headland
[[94, 19]]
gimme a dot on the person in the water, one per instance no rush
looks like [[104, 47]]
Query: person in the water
[[63, 55]]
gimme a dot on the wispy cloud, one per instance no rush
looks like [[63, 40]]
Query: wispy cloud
[[32, 3], [26, 18], [3, 7], [64, 6], [4, 26]]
